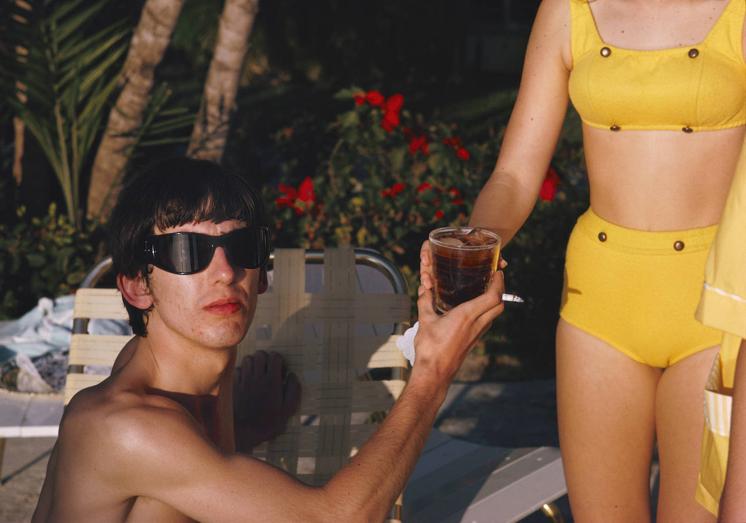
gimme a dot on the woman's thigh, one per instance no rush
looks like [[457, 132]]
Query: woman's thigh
[[679, 421], [606, 410]]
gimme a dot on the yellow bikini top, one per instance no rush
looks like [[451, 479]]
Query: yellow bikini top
[[696, 88]]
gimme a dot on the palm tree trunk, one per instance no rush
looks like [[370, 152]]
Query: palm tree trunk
[[19, 129], [19, 132], [18, 135], [219, 99], [149, 42]]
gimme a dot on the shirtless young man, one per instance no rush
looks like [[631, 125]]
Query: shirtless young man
[[155, 441]]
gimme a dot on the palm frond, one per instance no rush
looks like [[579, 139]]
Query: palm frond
[[69, 77], [69, 18], [162, 119]]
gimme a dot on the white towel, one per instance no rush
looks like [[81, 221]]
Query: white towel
[[406, 342]]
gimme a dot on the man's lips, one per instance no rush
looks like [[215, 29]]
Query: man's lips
[[223, 306]]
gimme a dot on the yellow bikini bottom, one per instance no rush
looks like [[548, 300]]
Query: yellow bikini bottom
[[638, 290]]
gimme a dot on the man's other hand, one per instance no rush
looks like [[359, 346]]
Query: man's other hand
[[443, 341], [265, 396]]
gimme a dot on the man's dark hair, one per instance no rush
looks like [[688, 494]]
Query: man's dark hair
[[170, 193]]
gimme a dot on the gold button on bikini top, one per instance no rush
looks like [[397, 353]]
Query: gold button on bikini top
[[695, 88]]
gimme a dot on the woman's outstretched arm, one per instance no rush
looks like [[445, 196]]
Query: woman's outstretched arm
[[509, 195]]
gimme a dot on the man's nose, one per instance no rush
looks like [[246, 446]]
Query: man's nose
[[221, 266]]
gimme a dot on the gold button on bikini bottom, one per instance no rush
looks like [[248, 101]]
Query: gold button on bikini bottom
[[602, 236], [678, 245]]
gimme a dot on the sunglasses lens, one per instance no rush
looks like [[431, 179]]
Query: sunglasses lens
[[248, 247], [203, 248], [186, 253]]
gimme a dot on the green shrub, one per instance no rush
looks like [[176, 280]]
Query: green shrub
[[42, 256], [389, 177]]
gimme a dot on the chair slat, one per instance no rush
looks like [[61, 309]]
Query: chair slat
[[99, 304], [365, 396], [77, 381], [371, 352], [88, 349]]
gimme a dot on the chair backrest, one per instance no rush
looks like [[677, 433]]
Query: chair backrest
[[341, 344], [339, 340], [92, 355]]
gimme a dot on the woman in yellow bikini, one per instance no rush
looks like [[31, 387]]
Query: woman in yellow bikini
[[661, 90]]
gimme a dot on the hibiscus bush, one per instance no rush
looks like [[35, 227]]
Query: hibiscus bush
[[388, 179], [389, 176]]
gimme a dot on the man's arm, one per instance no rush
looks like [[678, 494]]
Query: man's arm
[[733, 501], [172, 461]]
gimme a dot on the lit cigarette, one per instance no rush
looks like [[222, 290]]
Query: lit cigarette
[[513, 298]]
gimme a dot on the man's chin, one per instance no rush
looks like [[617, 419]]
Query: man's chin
[[228, 337]]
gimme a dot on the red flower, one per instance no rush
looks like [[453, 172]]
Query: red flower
[[462, 154], [439, 214], [549, 187], [394, 103], [453, 141], [288, 200], [291, 196], [374, 98], [395, 189], [390, 121], [455, 195], [424, 186], [419, 143], [359, 98], [305, 191]]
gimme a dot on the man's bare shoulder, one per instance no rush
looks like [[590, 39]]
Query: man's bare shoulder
[[119, 411], [121, 443], [117, 427]]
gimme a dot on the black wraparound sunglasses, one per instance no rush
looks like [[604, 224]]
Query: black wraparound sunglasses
[[191, 252]]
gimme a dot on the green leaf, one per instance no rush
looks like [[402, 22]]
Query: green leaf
[[435, 162], [350, 119], [346, 94], [74, 278], [36, 260], [69, 20]]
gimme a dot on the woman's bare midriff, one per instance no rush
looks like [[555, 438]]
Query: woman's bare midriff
[[661, 180]]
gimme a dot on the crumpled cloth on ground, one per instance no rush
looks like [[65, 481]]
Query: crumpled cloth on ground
[[34, 348]]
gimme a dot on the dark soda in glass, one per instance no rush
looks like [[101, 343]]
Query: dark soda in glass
[[464, 259]]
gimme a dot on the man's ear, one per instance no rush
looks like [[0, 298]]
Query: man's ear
[[263, 281], [135, 291]]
